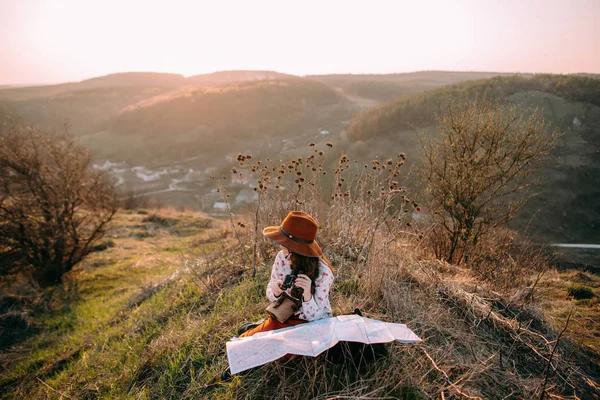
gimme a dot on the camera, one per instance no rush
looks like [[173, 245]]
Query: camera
[[289, 280]]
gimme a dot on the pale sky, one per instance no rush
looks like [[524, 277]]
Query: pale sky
[[44, 41]]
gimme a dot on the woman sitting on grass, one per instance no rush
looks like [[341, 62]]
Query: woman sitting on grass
[[302, 256]]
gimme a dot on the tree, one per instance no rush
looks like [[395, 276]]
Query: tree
[[477, 170], [53, 206]]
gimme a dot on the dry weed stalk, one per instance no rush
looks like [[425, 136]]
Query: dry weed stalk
[[352, 203]]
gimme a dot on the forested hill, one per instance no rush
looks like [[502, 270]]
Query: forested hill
[[88, 104], [249, 108], [208, 121], [567, 209], [385, 87], [419, 110], [167, 116]]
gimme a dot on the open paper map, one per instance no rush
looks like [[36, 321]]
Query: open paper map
[[312, 339]]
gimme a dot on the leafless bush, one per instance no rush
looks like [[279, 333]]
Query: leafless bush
[[133, 200], [53, 207], [478, 169]]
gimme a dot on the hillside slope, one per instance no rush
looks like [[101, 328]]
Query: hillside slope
[[419, 110], [149, 316], [86, 105], [208, 121]]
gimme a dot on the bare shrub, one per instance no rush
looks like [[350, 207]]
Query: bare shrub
[[53, 207], [478, 169], [133, 200]]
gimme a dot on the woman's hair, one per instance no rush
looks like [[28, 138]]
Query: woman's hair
[[309, 265]]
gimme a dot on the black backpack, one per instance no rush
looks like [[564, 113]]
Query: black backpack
[[355, 353]]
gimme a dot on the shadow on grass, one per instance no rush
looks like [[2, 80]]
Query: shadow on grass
[[23, 316]]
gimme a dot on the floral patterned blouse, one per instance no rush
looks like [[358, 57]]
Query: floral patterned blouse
[[318, 306]]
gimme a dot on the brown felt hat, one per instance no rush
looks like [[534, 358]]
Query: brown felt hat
[[297, 233]]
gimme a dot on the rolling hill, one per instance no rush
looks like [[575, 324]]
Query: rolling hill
[[87, 104], [167, 116], [212, 121], [568, 208]]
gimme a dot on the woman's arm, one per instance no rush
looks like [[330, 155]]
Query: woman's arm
[[273, 290], [318, 307]]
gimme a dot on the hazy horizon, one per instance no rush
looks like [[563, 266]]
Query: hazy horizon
[[282, 72], [47, 42]]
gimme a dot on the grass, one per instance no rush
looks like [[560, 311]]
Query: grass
[[149, 317], [92, 313], [558, 297]]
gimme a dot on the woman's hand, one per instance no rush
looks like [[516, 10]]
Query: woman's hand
[[304, 282], [276, 288]]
